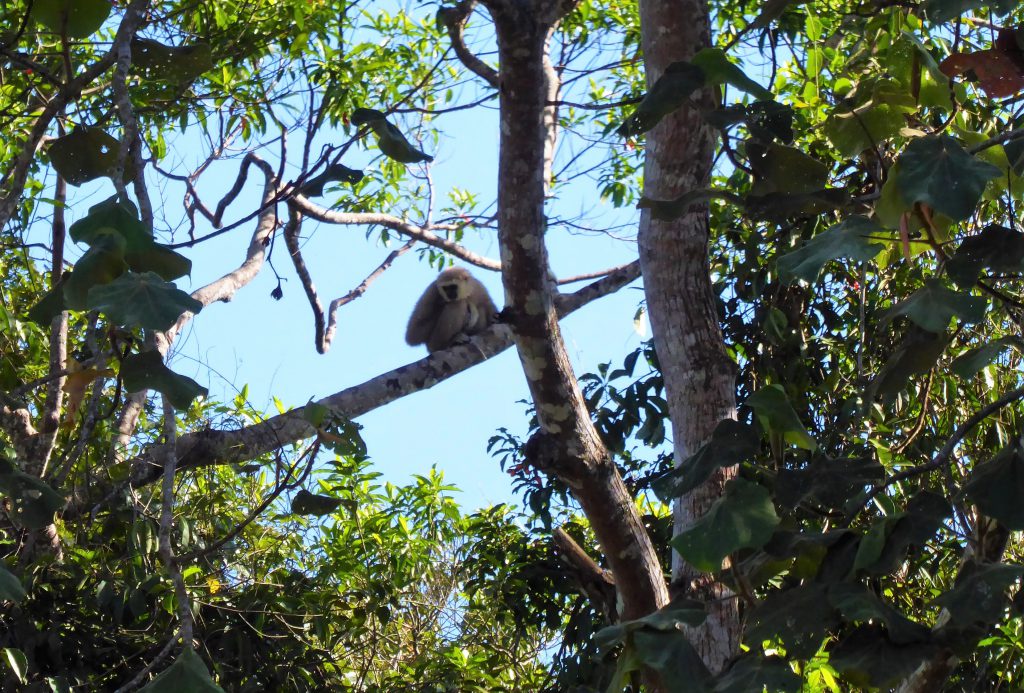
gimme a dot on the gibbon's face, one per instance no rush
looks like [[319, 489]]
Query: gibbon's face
[[452, 288]]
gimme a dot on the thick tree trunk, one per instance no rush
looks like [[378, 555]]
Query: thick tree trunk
[[568, 444], [699, 376]]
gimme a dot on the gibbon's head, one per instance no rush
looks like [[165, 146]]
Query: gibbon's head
[[453, 284]]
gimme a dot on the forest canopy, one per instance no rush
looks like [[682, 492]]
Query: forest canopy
[[808, 478]]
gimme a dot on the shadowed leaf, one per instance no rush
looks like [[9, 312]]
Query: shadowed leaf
[[144, 299], [731, 443], [937, 171], [147, 371], [932, 307], [847, 239]]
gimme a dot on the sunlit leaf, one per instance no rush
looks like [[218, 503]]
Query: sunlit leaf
[[743, 518], [83, 17], [850, 239], [144, 299], [774, 412], [933, 306], [188, 673]]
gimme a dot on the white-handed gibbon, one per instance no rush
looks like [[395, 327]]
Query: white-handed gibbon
[[455, 304]]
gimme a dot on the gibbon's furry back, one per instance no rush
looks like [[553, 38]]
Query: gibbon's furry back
[[455, 304]]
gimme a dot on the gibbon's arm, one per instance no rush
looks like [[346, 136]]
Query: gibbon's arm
[[424, 316], [452, 322]]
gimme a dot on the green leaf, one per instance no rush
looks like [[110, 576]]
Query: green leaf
[[11, 588], [755, 672], [800, 617], [937, 171], [847, 239], [147, 371], [979, 595], [717, 68], [997, 487], [669, 618], [866, 658], [743, 518], [829, 482], [996, 247], [142, 253], [781, 169], [731, 443], [940, 11], [187, 674], [101, 264], [933, 306], [50, 305], [84, 17], [142, 299], [765, 120], [177, 64], [865, 127], [773, 411], [306, 503], [970, 363], [17, 662], [666, 95], [85, 154], [32, 503], [885, 546]]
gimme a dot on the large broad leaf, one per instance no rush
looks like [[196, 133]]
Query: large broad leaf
[[743, 518], [828, 482], [658, 641], [773, 410], [102, 263], [731, 443], [188, 673], [141, 252], [916, 354], [86, 154], [865, 127], [996, 247], [979, 595], [306, 503], [970, 363], [867, 658], [933, 306], [50, 305], [83, 17], [176, 64], [11, 589], [147, 371], [940, 11], [800, 617], [679, 81], [781, 169], [718, 69], [765, 120], [937, 171], [857, 603], [777, 207], [142, 299], [755, 673], [997, 487], [32, 503], [884, 547], [847, 239]]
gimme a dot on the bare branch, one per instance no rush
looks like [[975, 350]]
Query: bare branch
[[454, 20]]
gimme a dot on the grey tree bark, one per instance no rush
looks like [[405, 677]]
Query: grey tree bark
[[699, 375]]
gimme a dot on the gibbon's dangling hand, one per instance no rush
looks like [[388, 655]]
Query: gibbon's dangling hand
[[455, 304]]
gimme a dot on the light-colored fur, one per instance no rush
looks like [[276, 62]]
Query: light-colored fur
[[455, 304]]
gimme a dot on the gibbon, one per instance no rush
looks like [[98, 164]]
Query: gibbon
[[455, 304]]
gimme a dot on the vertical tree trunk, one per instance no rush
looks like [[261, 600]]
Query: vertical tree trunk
[[699, 375], [568, 444]]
